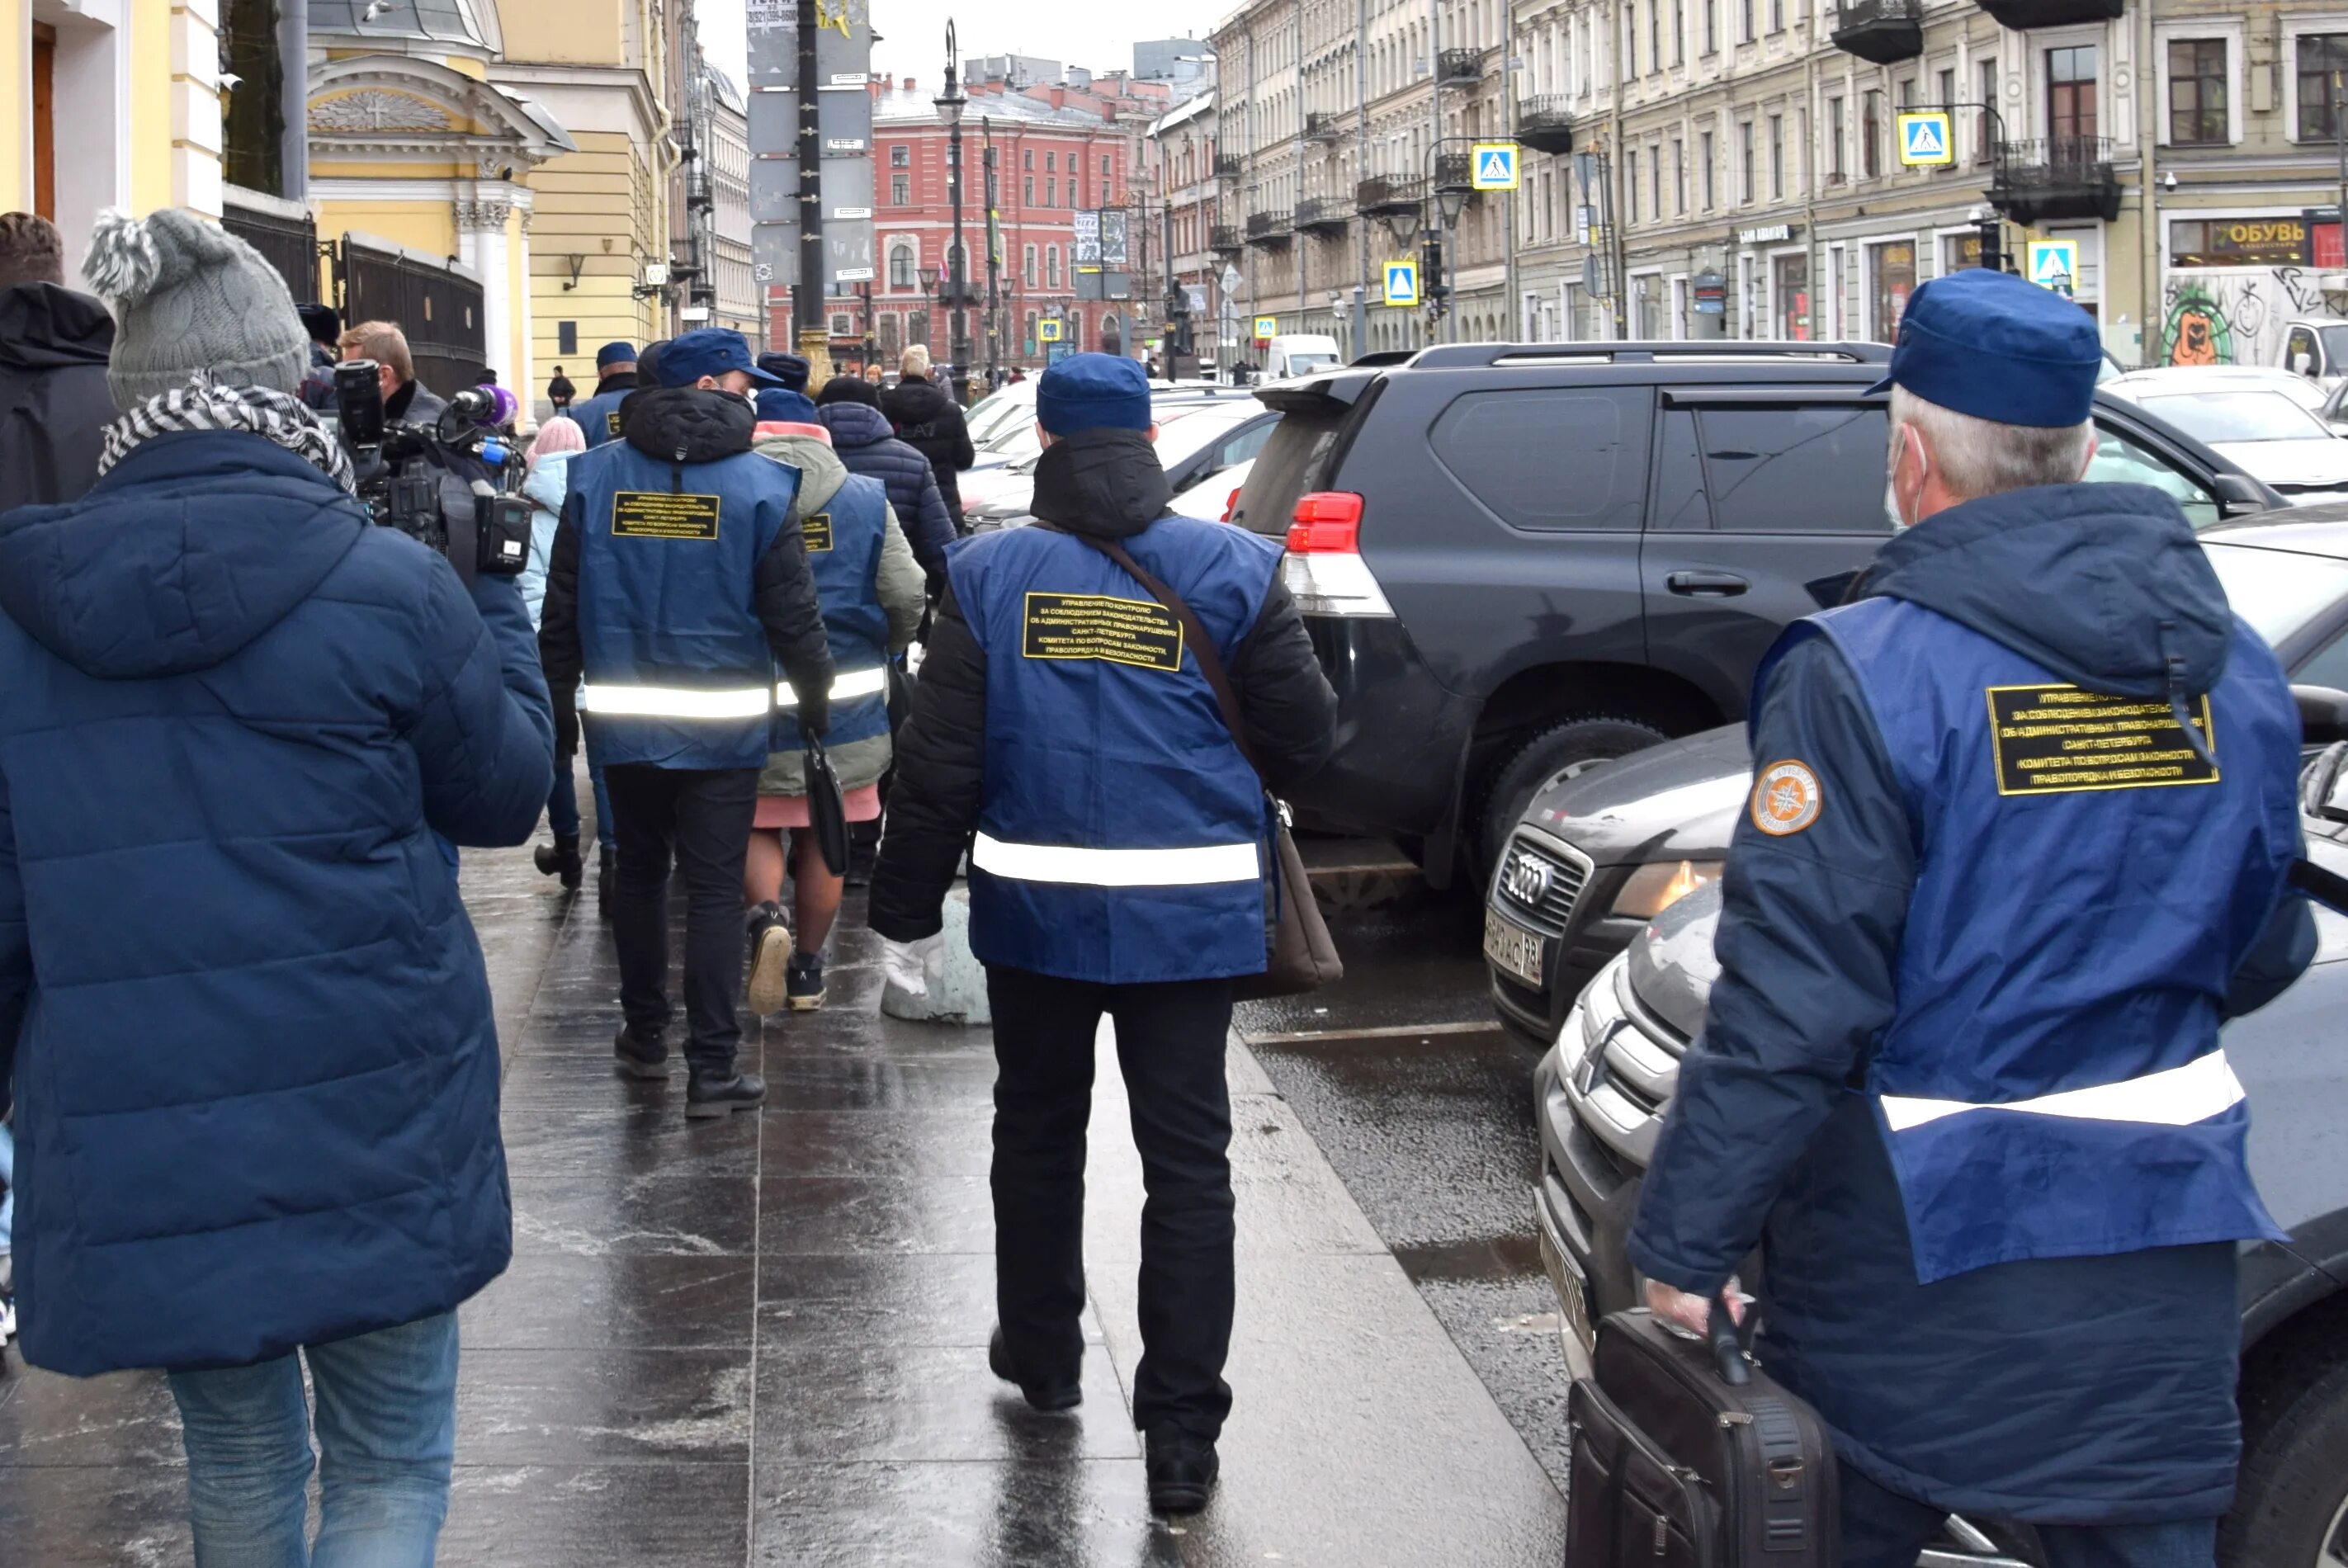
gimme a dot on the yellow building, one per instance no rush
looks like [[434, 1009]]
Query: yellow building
[[109, 103]]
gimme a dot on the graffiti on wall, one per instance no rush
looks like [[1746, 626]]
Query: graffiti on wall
[[2234, 315]]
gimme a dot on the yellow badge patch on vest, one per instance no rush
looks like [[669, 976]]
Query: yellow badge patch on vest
[[1142, 632], [1786, 798], [818, 531], [2060, 740], [659, 514], [612, 424]]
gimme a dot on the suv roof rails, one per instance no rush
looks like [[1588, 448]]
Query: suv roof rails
[[1452, 356]]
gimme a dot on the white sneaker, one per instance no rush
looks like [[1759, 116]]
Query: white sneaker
[[770, 954]]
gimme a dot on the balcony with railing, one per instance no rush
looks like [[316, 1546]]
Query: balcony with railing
[[1459, 67], [1455, 171], [1882, 31], [1223, 237], [1545, 123], [1230, 166], [1322, 215], [2023, 15], [1325, 125], [2055, 176], [1384, 196], [1267, 230]]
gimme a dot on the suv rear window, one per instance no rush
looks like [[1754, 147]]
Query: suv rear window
[[1551, 458], [1291, 464]]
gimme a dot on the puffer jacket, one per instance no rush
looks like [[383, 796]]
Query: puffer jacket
[[930, 421], [54, 405], [897, 585], [868, 444], [549, 479], [250, 1028]]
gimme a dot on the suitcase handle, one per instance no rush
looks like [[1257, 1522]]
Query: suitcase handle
[[1727, 1341]]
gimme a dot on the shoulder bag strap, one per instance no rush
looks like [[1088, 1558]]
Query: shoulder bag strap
[[1194, 632]]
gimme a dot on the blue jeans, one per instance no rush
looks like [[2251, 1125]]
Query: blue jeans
[[386, 1423], [563, 806], [603, 833], [1881, 1529]]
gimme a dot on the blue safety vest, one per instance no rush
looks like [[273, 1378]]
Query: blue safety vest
[[844, 537], [598, 418], [2050, 1084], [677, 671], [1122, 837]]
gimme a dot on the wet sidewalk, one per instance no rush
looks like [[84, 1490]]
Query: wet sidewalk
[[762, 1340]]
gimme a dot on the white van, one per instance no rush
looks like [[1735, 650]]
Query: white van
[[1299, 354]]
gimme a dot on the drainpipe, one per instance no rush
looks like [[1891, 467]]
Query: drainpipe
[[2148, 93], [1516, 307], [1614, 240]]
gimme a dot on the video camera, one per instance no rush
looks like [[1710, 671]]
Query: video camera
[[426, 481]]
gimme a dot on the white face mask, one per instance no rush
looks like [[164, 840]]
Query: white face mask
[[1891, 506]]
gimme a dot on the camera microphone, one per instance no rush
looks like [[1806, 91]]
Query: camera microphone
[[483, 406]]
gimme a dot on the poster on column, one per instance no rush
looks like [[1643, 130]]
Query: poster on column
[[772, 29]]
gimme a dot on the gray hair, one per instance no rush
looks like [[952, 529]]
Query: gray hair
[[915, 361], [1977, 456]]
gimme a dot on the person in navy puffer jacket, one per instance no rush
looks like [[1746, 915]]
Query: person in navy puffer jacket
[[849, 407], [246, 1013]]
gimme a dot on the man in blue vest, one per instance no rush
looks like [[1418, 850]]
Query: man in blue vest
[[615, 378], [1063, 732], [678, 581], [2017, 844]]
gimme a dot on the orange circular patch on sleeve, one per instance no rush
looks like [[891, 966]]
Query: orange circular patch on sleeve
[[1785, 798]]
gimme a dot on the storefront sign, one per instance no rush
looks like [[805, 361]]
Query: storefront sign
[[2238, 242], [1710, 292], [1766, 234]]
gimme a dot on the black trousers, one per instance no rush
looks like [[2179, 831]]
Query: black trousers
[[1169, 1043], [701, 820]]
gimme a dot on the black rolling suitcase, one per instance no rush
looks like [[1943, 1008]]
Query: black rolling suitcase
[[1685, 1455]]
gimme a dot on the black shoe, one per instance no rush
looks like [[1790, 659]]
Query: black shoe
[[770, 955], [1065, 1396], [1182, 1471], [710, 1095], [804, 982], [561, 858], [606, 874], [632, 1055]]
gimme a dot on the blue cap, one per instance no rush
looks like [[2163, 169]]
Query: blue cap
[[615, 353], [2000, 349], [711, 351], [782, 405], [790, 369], [1092, 391]]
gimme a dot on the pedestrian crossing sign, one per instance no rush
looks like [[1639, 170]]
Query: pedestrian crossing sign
[[1402, 282], [1047, 331], [2054, 264], [1494, 166], [1267, 327], [1925, 141]]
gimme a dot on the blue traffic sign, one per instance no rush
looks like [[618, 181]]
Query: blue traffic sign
[[1402, 282]]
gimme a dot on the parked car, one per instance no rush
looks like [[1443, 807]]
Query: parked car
[[1213, 497], [1294, 354], [1196, 440], [995, 487], [2269, 422], [1514, 559], [2317, 348], [1602, 1091], [1599, 853]]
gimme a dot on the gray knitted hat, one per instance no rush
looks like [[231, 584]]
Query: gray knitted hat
[[192, 301]]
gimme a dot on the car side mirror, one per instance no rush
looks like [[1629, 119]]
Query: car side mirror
[[2303, 363], [2239, 494], [2323, 789], [2322, 714]]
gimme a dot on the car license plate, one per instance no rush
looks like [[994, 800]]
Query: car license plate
[[1513, 947], [1572, 1299]]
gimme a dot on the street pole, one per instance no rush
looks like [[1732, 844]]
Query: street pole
[[957, 265], [993, 262], [2340, 139], [807, 298]]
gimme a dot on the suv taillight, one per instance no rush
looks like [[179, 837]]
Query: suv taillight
[[1323, 569]]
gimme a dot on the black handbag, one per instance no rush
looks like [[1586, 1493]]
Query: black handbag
[[826, 810]]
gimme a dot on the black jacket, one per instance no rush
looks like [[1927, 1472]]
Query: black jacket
[[1107, 484], [695, 427], [560, 392], [860, 434], [930, 421], [54, 405]]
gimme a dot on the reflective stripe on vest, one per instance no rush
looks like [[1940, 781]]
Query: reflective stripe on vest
[[676, 702], [1115, 868], [846, 685], [2178, 1097]]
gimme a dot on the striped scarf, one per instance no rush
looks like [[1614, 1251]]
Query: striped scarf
[[278, 416]]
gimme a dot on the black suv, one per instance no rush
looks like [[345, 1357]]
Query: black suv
[[1517, 559]]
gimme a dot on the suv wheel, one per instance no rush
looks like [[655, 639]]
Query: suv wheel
[[1585, 738], [2290, 1508]]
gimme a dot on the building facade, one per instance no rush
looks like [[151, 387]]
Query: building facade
[[1052, 161], [727, 139], [1179, 154]]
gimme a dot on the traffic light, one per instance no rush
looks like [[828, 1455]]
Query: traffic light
[[1993, 242]]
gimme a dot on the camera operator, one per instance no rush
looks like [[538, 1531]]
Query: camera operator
[[406, 400], [238, 715]]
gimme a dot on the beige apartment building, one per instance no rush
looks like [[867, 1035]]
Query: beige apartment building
[[1730, 169]]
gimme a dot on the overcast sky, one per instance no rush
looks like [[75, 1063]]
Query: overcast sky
[[913, 32]]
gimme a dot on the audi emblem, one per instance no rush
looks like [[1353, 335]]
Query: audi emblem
[[1526, 878]]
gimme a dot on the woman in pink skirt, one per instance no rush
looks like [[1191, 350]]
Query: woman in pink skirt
[[871, 588]]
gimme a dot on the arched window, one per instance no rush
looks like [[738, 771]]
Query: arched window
[[900, 266]]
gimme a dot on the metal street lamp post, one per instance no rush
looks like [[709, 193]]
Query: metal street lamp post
[[950, 105], [994, 263]]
